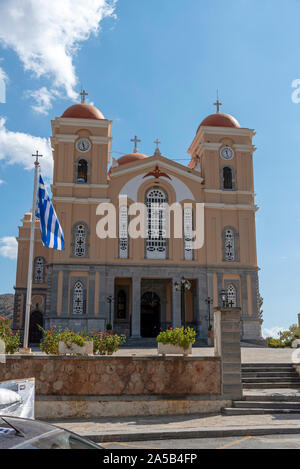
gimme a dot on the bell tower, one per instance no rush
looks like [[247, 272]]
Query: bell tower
[[81, 144], [222, 151]]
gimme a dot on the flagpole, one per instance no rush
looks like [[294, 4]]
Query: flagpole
[[31, 254]]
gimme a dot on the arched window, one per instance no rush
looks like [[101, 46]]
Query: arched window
[[123, 232], [39, 270], [227, 178], [78, 299], [80, 240], [82, 172], [232, 297], [156, 242], [230, 245], [188, 234], [121, 305]]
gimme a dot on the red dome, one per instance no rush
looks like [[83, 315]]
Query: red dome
[[220, 120], [83, 111], [130, 158]]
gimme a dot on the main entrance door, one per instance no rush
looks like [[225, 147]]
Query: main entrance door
[[150, 315], [35, 335]]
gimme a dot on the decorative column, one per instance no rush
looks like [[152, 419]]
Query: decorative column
[[176, 305], [202, 306], [136, 307], [228, 347], [65, 293], [92, 292], [110, 292]]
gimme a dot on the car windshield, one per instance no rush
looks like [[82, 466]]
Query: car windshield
[[57, 439]]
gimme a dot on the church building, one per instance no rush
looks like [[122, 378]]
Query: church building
[[140, 286]]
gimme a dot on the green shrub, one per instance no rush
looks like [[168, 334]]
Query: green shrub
[[107, 343], [178, 337], [286, 338], [50, 343], [11, 340]]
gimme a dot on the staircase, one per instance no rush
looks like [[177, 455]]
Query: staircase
[[264, 377]]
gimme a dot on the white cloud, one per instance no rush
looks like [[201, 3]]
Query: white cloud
[[17, 148], [47, 34], [3, 81], [43, 98], [8, 247], [274, 332]]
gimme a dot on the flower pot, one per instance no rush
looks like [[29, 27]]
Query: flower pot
[[169, 349], [75, 349]]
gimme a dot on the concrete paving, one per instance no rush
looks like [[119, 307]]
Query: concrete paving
[[181, 427], [248, 442]]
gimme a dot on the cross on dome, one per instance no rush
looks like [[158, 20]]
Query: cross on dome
[[135, 140], [83, 95], [218, 103]]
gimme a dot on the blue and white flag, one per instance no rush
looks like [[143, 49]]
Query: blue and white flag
[[51, 231]]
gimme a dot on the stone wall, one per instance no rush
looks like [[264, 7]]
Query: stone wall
[[117, 376]]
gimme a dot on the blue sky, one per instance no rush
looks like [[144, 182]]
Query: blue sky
[[153, 67]]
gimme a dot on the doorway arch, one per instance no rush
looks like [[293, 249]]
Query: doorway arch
[[35, 335], [150, 314]]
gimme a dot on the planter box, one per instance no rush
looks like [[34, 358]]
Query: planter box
[[87, 349], [169, 349]]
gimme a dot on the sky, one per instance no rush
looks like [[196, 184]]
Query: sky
[[153, 67]]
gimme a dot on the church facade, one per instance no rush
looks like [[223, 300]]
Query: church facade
[[135, 284]]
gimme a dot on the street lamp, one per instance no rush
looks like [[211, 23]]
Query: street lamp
[[183, 286], [209, 302], [110, 301]]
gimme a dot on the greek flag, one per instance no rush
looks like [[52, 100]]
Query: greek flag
[[51, 231]]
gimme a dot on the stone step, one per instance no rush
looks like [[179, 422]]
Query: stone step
[[273, 398], [276, 379], [266, 405], [283, 385], [232, 411], [268, 374], [268, 369], [267, 365]]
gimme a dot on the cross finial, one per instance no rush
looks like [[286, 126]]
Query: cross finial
[[218, 103], [37, 156], [83, 95], [135, 140], [157, 151]]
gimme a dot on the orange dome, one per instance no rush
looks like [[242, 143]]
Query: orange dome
[[220, 120], [130, 158], [83, 111]]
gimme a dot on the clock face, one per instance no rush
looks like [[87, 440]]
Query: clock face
[[83, 145], [227, 153]]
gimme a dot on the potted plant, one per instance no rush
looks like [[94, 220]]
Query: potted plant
[[10, 340], [176, 341], [107, 343], [67, 342], [210, 335], [71, 343]]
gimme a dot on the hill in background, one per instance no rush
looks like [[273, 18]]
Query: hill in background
[[7, 305]]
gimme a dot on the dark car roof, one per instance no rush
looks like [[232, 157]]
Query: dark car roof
[[29, 428]]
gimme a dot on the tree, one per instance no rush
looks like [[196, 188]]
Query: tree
[[260, 305]]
